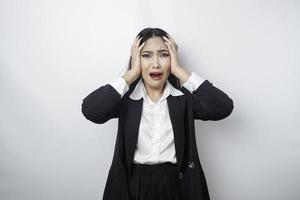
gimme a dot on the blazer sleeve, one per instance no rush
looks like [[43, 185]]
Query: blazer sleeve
[[208, 101], [105, 102]]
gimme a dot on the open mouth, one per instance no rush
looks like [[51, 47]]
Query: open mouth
[[156, 75]]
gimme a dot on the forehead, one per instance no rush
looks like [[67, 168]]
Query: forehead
[[154, 43]]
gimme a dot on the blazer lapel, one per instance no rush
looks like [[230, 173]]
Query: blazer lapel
[[176, 112], [134, 115]]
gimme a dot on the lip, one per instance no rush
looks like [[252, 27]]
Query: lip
[[158, 72], [156, 77]]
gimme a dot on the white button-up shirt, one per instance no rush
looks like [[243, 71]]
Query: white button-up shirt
[[156, 138]]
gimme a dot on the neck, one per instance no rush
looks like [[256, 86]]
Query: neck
[[154, 93]]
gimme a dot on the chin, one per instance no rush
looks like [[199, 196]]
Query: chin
[[154, 83]]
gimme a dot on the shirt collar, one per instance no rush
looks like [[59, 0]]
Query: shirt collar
[[140, 91]]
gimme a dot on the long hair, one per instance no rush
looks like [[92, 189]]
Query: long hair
[[146, 34]]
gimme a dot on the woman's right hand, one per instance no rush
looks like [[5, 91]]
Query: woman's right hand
[[136, 56], [135, 70]]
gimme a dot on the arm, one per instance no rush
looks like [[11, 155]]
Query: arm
[[104, 103], [209, 102]]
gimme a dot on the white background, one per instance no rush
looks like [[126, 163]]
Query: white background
[[54, 53]]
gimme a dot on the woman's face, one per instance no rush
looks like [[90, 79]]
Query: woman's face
[[155, 62]]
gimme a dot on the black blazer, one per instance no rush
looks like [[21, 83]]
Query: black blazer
[[205, 103]]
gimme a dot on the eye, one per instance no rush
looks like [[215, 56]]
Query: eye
[[165, 55], [146, 55]]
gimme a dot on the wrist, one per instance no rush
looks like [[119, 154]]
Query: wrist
[[130, 76], [181, 73]]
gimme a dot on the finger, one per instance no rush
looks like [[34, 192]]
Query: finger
[[135, 40], [135, 45], [168, 42], [173, 41], [171, 38], [167, 39], [174, 46], [171, 50], [142, 45], [137, 50]]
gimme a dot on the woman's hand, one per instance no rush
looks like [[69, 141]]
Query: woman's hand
[[173, 51], [176, 69], [135, 70], [135, 56]]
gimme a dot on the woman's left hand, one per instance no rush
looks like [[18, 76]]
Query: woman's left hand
[[173, 52]]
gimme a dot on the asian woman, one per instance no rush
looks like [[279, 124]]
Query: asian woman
[[156, 102]]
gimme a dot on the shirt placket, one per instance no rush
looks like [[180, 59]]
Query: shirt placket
[[156, 130]]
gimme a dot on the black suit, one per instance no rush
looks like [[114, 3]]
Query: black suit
[[206, 103]]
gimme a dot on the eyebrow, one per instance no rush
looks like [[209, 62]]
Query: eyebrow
[[161, 50]]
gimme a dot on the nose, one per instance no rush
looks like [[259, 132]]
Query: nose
[[156, 62]]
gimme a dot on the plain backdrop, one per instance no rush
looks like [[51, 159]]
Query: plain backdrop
[[54, 53]]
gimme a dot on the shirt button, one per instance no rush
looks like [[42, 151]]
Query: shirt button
[[191, 164], [180, 175]]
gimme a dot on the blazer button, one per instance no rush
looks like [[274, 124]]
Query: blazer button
[[180, 175], [191, 164]]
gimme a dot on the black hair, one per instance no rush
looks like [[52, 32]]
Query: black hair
[[146, 34]]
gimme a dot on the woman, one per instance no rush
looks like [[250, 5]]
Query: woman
[[156, 102]]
